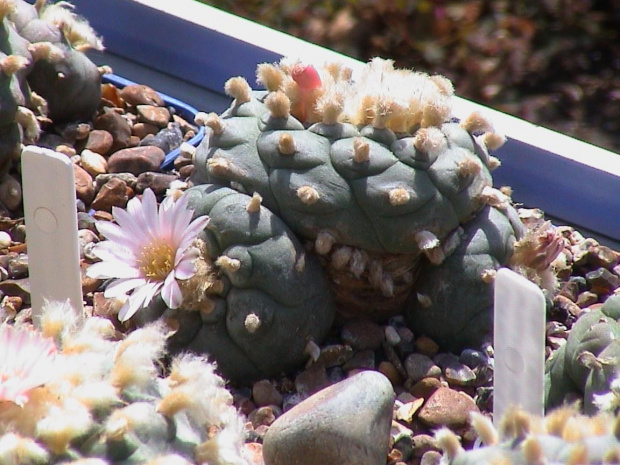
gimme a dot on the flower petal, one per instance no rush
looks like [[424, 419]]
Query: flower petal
[[115, 233], [171, 292], [137, 300], [122, 286], [106, 270], [185, 269], [111, 250], [192, 231], [150, 211]]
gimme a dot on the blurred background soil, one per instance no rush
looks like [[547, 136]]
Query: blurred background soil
[[552, 62]]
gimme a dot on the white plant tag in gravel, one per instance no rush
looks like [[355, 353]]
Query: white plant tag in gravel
[[51, 228], [519, 343]]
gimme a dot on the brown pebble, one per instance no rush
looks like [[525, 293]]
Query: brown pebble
[[602, 256], [426, 346], [586, 298], [105, 307], [390, 372], [246, 406], [103, 216], [184, 125], [157, 182], [142, 130], [157, 116], [65, 149], [602, 281], [136, 160], [425, 387], [431, 458], [447, 407], [311, 380], [264, 393], [99, 141], [566, 305], [13, 303], [334, 355], [10, 192], [84, 187], [262, 416], [17, 287], [422, 443], [363, 359], [117, 126], [570, 290], [139, 94], [89, 284], [112, 194], [362, 334], [186, 171]]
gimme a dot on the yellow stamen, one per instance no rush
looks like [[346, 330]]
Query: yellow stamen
[[156, 260]]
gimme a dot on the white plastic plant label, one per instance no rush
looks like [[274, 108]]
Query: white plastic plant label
[[519, 345], [51, 228]]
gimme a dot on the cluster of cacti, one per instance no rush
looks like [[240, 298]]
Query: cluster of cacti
[[562, 437], [258, 302], [375, 173], [77, 389], [44, 73], [587, 367]]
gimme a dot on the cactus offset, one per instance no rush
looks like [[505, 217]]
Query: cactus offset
[[257, 299]]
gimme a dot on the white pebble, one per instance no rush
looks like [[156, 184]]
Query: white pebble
[[391, 335], [5, 240]]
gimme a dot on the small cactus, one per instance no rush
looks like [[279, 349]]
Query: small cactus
[[587, 367], [562, 437], [43, 71], [89, 393]]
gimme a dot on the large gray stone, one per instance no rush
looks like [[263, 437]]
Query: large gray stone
[[347, 423]]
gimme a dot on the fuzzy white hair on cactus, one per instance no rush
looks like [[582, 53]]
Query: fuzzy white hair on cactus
[[147, 251]]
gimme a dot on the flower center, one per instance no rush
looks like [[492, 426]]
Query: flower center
[[156, 260]]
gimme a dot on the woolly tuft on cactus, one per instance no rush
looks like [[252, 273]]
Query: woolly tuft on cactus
[[103, 400]]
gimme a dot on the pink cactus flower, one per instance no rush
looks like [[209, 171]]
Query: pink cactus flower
[[26, 362], [147, 251]]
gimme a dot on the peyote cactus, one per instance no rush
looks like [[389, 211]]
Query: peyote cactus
[[44, 71], [78, 390], [588, 365], [562, 437], [258, 301], [373, 173]]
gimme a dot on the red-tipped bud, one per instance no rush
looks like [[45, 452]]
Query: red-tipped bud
[[306, 76]]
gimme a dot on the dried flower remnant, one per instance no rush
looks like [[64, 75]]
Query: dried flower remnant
[[535, 253], [25, 362], [147, 251]]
